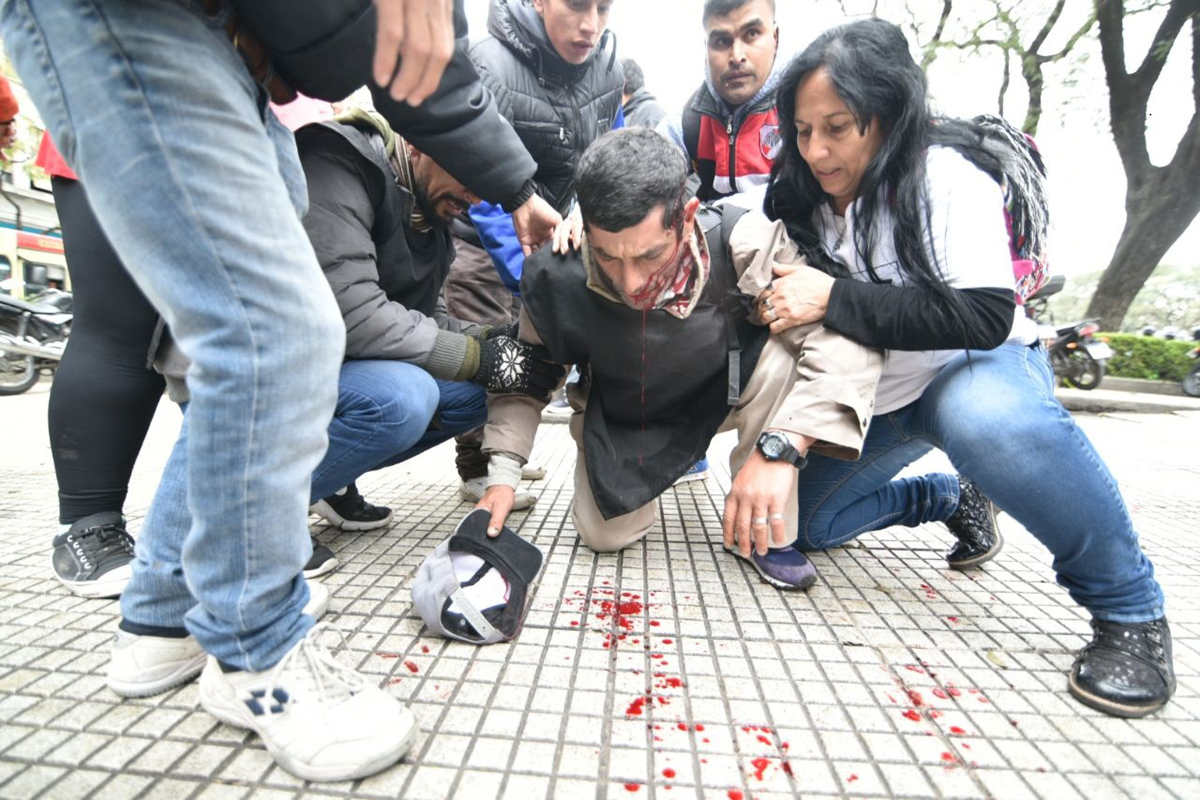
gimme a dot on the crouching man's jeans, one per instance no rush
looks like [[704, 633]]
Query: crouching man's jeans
[[388, 412], [994, 414], [200, 192]]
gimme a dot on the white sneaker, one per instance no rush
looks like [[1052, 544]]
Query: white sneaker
[[142, 666], [320, 720], [472, 491]]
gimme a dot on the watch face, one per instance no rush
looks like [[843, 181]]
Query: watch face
[[772, 446]]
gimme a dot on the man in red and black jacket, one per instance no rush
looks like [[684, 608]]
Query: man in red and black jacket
[[729, 128]]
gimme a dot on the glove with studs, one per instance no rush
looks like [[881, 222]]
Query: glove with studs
[[510, 365]]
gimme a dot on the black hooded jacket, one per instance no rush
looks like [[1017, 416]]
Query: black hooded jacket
[[557, 108]]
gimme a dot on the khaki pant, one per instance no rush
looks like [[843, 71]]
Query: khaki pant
[[769, 386], [475, 293]]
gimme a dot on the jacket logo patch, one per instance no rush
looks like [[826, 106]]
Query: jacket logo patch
[[769, 141]]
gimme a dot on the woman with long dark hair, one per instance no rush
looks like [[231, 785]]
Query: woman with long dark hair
[[911, 254]]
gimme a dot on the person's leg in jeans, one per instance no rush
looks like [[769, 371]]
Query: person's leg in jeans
[[996, 417], [200, 192], [841, 500], [101, 403], [152, 108], [384, 408]]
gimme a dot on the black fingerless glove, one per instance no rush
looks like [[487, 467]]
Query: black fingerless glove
[[509, 365]]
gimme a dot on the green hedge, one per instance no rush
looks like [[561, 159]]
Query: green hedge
[[1148, 357]]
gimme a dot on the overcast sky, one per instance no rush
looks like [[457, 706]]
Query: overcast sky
[[1086, 181]]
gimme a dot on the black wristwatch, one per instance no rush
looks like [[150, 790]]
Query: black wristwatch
[[775, 446]]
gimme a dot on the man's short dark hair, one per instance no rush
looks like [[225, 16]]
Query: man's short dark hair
[[626, 174], [634, 79], [719, 8]]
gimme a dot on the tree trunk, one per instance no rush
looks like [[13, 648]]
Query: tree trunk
[[1155, 218], [1160, 202]]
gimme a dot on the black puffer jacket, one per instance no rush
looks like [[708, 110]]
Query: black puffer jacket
[[557, 109]]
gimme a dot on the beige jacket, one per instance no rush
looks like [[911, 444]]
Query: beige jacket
[[833, 397]]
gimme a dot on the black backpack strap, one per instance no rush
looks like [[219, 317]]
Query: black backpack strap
[[724, 219], [691, 132]]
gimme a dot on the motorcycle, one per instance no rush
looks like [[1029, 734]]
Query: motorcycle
[[1191, 381], [1076, 357], [32, 339]]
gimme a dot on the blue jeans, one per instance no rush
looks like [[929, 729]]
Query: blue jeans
[[200, 191], [995, 416], [384, 415]]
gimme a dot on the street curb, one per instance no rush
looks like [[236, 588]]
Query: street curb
[[1099, 401]]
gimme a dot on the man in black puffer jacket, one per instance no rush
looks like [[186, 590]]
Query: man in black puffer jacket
[[552, 67]]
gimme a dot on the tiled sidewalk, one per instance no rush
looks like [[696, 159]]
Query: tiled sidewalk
[[666, 671]]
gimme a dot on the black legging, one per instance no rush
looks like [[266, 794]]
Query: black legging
[[104, 395]]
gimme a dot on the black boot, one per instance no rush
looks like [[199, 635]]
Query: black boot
[[973, 523], [1126, 670]]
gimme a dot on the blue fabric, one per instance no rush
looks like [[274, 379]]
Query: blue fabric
[[383, 417], [150, 104], [996, 417], [499, 237]]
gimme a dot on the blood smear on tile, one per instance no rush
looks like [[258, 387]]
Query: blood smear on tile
[[760, 766], [632, 787], [734, 794], [913, 715], [412, 667], [852, 779], [424, 648], [668, 773], [957, 730]]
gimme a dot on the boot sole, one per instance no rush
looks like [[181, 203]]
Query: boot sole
[[326, 512], [778, 584], [1110, 706], [231, 714], [990, 554]]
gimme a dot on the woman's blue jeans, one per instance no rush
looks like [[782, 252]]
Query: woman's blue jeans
[[200, 191], [994, 414]]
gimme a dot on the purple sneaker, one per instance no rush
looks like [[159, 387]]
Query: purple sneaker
[[782, 567]]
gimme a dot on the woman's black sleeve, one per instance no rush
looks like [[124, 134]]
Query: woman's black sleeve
[[896, 318]]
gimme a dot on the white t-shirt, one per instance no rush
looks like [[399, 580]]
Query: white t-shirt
[[969, 238]]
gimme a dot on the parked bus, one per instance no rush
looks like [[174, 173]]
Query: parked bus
[[31, 263]]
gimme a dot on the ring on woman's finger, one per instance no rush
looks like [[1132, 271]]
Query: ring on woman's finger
[[775, 516], [774, 315], [759, 520], [766, 304]]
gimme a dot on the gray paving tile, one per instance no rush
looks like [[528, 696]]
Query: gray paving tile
[[720, 683]]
